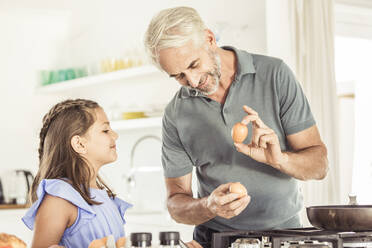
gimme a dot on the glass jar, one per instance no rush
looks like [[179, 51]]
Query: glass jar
[[140, 239], [169, 239]]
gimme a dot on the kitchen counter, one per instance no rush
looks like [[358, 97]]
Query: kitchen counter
[[11, 223], [153, 222]]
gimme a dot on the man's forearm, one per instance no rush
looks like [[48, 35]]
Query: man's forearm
[[187, 210], [306, 164]]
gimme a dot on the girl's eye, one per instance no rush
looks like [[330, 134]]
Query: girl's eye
[[106, 131]]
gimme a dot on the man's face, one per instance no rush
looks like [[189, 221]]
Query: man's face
[[197, 67]]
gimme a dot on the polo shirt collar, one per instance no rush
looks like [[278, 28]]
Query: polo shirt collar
[[187, 92], [245, 62], [243, 58]]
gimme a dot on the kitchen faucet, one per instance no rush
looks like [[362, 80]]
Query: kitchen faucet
[[130, 177]]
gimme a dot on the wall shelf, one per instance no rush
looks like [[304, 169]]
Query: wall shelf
[[13, 206], [123, 125], [121, 75]]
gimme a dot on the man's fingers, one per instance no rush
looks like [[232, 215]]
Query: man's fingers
[[263, 142], [236, 204], [258, 133], [223, 188], [243, 206], [193, 244], [243, 203], [254, 118], [224, 199], [249, 110], [268, 139], [243, 148], [249, 118]]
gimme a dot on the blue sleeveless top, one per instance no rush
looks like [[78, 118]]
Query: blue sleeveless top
[[92, 222]]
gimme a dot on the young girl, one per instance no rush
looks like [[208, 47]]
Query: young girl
[[72, 206]]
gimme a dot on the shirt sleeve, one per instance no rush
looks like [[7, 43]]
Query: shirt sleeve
[[295, 112], [175, 160], [61, 189], [122, 207]]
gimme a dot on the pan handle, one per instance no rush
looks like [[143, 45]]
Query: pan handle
[[352, 199]]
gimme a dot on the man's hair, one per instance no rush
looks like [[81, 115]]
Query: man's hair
[[173, 27]]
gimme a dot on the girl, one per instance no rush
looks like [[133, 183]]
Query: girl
[[72, 206]]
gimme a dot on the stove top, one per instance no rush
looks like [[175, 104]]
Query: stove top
[[292, 238]]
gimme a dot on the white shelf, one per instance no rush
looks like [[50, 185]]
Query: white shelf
[[120, 75], [136, 123]]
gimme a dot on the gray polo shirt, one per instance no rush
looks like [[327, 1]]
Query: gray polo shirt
[[197, 133]]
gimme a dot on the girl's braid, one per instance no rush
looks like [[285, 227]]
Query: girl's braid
[[55, 111]]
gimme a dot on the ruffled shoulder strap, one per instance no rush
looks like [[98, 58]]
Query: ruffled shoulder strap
[[62, 189], [122, 206]]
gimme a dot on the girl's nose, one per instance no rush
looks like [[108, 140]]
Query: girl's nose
[[115, 135]]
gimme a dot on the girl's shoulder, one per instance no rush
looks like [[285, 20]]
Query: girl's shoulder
[[59, 189], [61, 211]]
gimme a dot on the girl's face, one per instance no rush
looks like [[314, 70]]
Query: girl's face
[[100, 141]]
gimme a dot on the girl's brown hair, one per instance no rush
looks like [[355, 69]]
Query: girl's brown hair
[[57, 158]]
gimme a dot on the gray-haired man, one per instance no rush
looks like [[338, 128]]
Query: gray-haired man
[[219, 83]]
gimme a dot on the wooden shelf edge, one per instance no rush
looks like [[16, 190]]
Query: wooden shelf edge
[[13, 206], [351, 95]]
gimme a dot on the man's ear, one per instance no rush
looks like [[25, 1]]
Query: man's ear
[[78, 144], [210, 38]]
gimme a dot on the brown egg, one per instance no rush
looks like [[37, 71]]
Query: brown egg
[[104, 240], [120, 242], [238, 188], [239, 132], [98, 243]]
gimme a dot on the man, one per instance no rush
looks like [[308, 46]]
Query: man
[[222, 86]]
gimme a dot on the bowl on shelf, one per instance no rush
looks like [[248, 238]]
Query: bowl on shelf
[[133, 115]]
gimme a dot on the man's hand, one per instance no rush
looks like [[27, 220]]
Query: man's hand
[[225, 204], [265, 146], [193, 244]]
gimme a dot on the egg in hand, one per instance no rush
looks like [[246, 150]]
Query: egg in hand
[[239, 132], [103, 243], [238, 188], [98, 243], [120, 242]]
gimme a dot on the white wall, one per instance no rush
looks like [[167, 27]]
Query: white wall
[[30, 39], [353, 50], [45, 34], [57, 34], [346, 145], [278, 31]]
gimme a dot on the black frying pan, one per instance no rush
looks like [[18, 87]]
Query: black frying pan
[[343, 218]]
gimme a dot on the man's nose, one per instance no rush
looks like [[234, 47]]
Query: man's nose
[[192, 79]]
